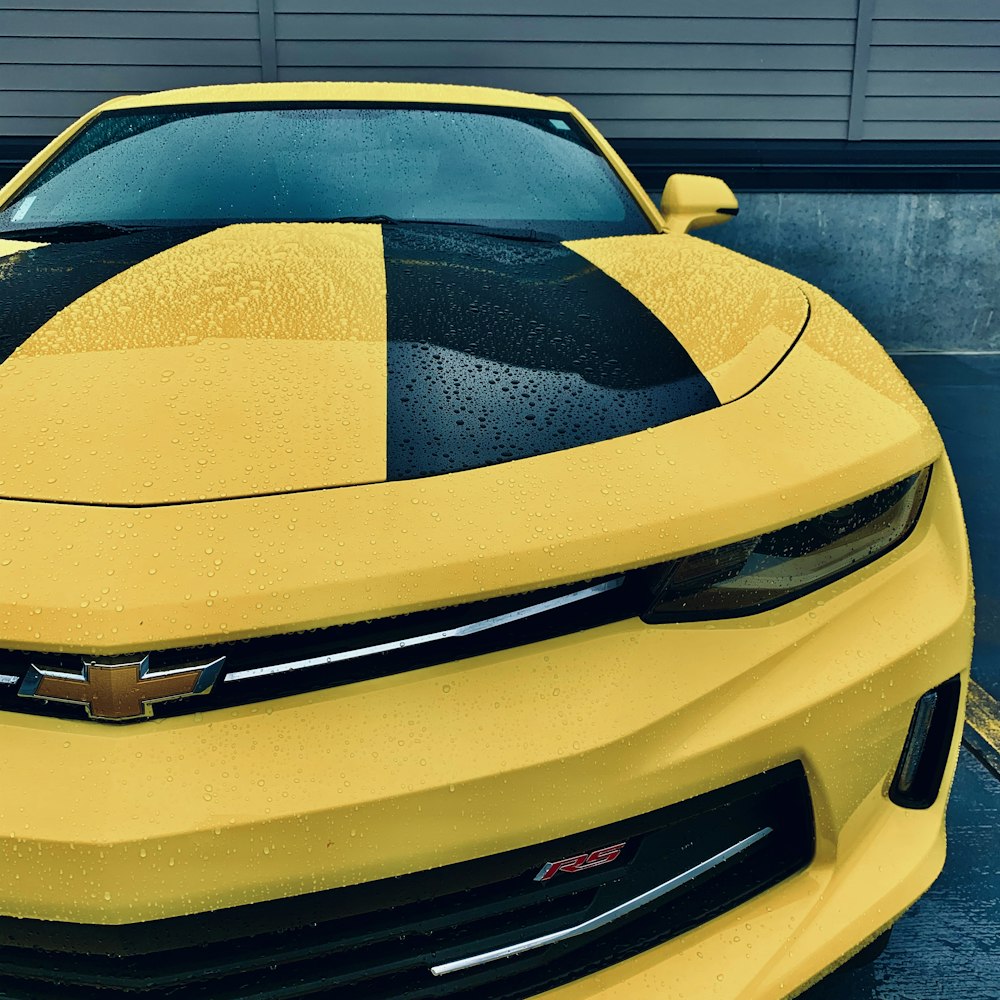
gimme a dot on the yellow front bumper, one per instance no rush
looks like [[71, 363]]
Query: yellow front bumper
[[407, 772]]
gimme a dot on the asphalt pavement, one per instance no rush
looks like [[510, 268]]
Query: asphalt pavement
[[947, 946]]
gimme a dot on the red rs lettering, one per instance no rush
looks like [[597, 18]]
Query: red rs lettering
[[603, 856], [566, 865], [579, 862]]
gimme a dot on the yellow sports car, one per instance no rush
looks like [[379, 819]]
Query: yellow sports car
[[428, 571]]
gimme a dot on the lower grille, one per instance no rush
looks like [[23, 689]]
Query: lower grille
[[379, 940]]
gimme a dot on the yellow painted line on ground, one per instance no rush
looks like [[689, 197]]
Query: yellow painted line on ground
[[982, 712], [982, 735]]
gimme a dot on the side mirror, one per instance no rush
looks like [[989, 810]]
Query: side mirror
[[692, 201]]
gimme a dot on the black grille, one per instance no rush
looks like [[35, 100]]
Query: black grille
[[626, 597], [378, 940]]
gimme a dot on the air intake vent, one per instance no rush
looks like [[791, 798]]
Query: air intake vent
[[925, 752]]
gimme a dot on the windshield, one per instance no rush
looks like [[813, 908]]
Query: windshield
[[210, 165]]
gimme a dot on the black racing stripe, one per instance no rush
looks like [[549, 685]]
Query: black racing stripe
[[37, 283], [499, 350]]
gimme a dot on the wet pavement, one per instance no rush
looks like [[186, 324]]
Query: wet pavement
[[947, 947]]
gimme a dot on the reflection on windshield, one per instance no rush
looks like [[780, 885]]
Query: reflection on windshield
[[209, 165]]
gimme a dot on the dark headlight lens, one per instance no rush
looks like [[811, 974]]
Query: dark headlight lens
[[769, 570]]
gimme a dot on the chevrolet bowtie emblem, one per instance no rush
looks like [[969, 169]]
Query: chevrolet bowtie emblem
[[119, 691]]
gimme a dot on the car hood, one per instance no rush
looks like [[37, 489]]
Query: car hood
[[177, 366]]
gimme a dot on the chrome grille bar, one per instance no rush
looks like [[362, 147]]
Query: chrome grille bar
[[603, 919], [458, 631]]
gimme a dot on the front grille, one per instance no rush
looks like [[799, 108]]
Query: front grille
[[357, 651], [378, 940]]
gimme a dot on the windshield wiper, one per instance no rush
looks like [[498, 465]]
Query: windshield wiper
[[73, 232], [80, 232], [524, 235]]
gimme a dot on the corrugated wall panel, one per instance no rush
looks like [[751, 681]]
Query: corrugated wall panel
[[934, 71], [58, 60]]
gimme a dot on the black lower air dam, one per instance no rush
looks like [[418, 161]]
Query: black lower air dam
[[925, 753]]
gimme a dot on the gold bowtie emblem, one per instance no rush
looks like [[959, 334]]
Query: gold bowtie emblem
[[119, 691]]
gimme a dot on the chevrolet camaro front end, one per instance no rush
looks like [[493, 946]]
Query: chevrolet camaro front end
[[428, 571]]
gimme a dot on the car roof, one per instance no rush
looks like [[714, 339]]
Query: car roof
[[430, 93]]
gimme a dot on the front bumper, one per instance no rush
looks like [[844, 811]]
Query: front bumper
[[404, 773]]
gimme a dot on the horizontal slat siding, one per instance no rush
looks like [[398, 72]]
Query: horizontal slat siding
[[16, 77], [706, 108], [545, 80], [68, 53], [337, 58], [189, 6], [939, 130], [564, 31], [928, 58], [59, 60], [932, 109], [713, 68], [934, 70], [936, 10], [731, 128], [709, 69], [593, 8], [940, 84], [125, 24], [938, 32]]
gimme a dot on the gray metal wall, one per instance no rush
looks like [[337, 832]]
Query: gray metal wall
[[919, 270], [804, 69]]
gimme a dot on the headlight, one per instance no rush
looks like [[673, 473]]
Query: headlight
[[763, 572]]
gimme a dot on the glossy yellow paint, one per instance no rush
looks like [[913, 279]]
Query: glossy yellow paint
[[246, 361], [311, 791], [778, 945], [105, 580], [734, 316], [181, 815], [694, 201], [432, 93], [8, 247], [223, 352], [629, 179]]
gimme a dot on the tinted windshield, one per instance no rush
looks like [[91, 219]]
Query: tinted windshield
[[209, 164]]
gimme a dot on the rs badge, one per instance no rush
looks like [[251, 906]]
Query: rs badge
[[579, 862]]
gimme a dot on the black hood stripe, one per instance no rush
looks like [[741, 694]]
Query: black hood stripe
[[41, 281], [496, 349], [499, 350]]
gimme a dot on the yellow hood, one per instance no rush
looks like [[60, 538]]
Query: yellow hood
[[252, 360]]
